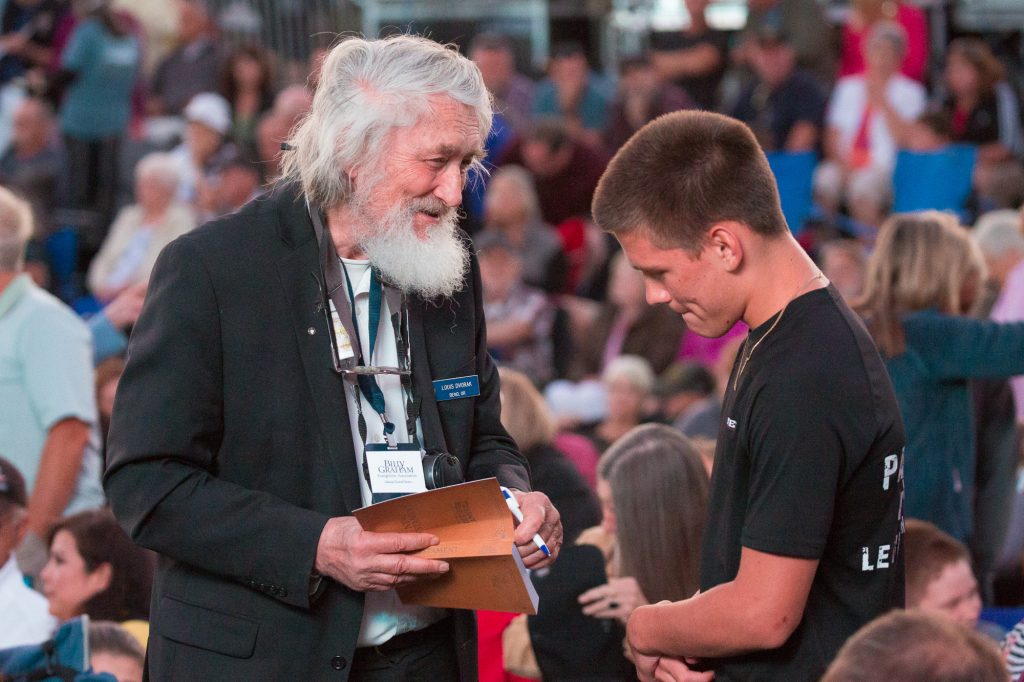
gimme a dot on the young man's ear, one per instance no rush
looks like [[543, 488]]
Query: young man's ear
[[725, 244]]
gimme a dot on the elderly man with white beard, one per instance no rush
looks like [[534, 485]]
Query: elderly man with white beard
[[281, 351]]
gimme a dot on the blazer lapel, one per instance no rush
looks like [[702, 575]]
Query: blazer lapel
[[422, 376], [300, 277]]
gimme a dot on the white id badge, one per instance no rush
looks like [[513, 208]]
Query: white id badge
[[341, 336], [395, 469]]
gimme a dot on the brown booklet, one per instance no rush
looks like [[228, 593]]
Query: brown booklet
[[475, 528]]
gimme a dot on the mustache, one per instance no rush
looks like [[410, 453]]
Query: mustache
[[432, 206]]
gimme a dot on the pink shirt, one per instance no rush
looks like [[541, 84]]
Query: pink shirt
[[1009, 307]]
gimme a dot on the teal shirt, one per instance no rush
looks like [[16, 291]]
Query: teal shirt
[[46, 376], [98, 103], [931, 381]]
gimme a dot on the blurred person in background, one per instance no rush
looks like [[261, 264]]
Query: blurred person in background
[[642, 97], [999, 237], [49, 428], [206, 149], [866, 15], [192, 67], [784, 105], [984, 110], [527, 419], [694, 57], [565, 170], [629, 386], [101, 62], [981, 106], [939, 575], [237, 184], [108, 374], [110, 325], [690, 399], [572, 92], [626, 324], [96, 570], [924, 278], [804, 22], [142, 229], [653, 491], [271, 131], [35, 165], [511, 208], [24, 617], [513, 92], [911, 646], [114, 650], [520, 318], [247, 83], [868, 116], [291, 103], [27, 32], [844, 262], [655, 501]]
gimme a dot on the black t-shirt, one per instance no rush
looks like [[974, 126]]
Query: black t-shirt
[[703, 89], [809, 464], [771, 114]]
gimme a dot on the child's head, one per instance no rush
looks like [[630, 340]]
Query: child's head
[[939, 575]]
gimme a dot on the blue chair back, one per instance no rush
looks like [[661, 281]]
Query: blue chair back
[[794, 174], [939, 180]]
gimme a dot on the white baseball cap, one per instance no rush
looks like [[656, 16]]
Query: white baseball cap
[[210, 109]]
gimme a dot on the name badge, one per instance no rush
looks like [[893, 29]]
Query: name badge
[[341, 336], [459, 387], [395, 469]]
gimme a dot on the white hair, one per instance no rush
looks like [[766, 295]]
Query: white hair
[[366, 89], [161, 167], [16, 225], [999, 232], [633, 368], [889, 33]]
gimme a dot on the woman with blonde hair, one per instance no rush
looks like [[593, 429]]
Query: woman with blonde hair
[[923, 279], [527, 419]]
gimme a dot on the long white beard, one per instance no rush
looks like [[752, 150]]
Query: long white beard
[[431, 267]]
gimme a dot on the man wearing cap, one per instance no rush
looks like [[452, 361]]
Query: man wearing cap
[[24, 615], [282, 352], [204, 152], [689, 399], [784, 105], [48, 418]]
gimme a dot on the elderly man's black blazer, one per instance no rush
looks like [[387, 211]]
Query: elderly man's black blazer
[[230, 447]]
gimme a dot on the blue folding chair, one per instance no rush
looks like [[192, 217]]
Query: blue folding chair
[[794, 174], [939, 180]]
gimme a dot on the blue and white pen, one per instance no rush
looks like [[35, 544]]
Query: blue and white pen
[[513, 507]]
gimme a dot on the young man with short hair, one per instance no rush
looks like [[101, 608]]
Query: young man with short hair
[[802, 544]]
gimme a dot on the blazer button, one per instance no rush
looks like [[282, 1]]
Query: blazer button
[[338, 662]]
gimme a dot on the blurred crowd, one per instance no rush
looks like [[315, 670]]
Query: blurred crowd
[[614, 402]]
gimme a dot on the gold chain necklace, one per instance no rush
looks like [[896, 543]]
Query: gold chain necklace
[[745, 358]]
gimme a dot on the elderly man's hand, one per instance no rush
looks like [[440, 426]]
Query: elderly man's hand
[[539, 518], [373, 562]]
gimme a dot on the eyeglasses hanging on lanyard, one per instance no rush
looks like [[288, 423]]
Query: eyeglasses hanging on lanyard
[[359, 367]]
